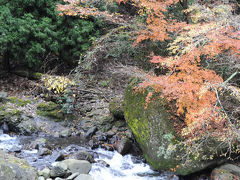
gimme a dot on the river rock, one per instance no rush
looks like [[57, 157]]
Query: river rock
[[123, 146], [80, 166], [102, 163], [58, 178], [44, 152], [45, 173], [108, 147], [38, 143], [74, 175], [27, 126], [59, 156], [226, 172], [84, 177], [91, 132], [12, 168], [59, 170], [161, 144], [18, 121], [41, 178], [82, 155], [65, 133]]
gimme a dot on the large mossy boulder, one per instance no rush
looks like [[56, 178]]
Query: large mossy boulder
[[15, 168], [154, 131]]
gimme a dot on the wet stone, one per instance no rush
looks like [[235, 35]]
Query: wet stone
[[65, 133], [74, 175], [107, 147], [44, 152], [45, 173], [123, 146], [84, 177], [80, 166], [58, 170], [60, 157], [83, 155], [40, 142], [102, 137], [103, 163], [41, 178], [91, 132], [58, 178]]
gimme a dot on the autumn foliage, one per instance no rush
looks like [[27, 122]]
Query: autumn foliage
[[191, 86], [210, 31]]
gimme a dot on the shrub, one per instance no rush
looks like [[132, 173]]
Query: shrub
[[32, 32]]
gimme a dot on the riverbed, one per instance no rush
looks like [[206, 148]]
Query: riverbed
[[118, 167]]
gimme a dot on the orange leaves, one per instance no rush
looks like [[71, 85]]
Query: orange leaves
[[189, 85], [157, 25]]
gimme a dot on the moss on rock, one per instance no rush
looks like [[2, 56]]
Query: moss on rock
[[15, 168], [50, 110], [154, 131], [116, 109], [18, 101]]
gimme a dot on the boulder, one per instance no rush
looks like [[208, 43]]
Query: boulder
[[226, 172], [17, 120], [59, 170], [80, 166], [162, 147], [27, 126], [44, 173], [15, 168]]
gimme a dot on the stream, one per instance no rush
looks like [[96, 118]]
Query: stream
[[120, 167]]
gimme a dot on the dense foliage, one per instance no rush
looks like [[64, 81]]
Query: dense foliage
[[32, 32]]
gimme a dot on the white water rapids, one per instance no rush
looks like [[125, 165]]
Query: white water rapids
[[120, 167]]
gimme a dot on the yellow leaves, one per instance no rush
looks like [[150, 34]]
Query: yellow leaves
[[57, 84]]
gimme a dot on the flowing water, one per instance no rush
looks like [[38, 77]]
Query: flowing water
[[119, 167]]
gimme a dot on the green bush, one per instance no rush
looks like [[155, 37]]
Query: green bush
[[31, 31]]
